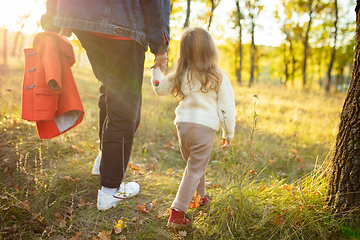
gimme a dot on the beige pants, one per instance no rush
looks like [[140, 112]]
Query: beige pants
[[196, 143]]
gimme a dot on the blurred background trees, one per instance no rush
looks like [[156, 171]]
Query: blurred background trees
[[313, 47]]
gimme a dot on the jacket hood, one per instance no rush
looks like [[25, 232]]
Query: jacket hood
[[64, 44]]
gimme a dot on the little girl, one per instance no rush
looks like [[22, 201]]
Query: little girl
[[205, 101]]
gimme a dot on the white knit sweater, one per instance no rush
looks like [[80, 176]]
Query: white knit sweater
[[209, 109]]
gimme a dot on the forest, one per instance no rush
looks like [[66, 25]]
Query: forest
[[315, 47]]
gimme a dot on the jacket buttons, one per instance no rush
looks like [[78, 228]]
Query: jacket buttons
[[118, 31]]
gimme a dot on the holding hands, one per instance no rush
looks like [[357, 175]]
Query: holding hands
[[160, 61]]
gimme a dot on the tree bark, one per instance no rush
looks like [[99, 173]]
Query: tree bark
[[306, 42], [238, 74], [286, 63], [188, 10], [343, 193], [211, 13], [328, 82], [252, 53]]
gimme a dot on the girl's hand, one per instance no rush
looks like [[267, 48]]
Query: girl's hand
[[226, 143]]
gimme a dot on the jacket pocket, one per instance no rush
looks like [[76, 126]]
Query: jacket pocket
[[45, 100]]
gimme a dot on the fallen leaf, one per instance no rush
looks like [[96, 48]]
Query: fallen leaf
[[134, 219], [300, 160], [60, 220], [161, 214], [136, 168], [182, 233], [120, 226], [286, 187], [142, 208], [67, 178], [103, 235], [215, 186], [76, 237], [82, 203], [168, 144], [279, 220], [153, 203], [294, 151], [10, 229], [195, 201]]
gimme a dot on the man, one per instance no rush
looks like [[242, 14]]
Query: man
[[115, 35]]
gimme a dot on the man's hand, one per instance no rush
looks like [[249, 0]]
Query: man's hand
[[67, 32], [160, 61]]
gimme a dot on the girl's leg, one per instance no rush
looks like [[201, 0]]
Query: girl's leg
[[197, 140]]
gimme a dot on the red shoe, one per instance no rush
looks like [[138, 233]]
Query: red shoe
[[178, 220], [204, 201]]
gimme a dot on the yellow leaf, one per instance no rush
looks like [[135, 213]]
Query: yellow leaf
[[195, 201], [121, 224]]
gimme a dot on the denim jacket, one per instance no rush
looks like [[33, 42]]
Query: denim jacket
[[145, 21]]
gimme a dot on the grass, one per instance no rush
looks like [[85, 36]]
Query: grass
[[267, 186]]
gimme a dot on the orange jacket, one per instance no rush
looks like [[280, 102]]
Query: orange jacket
[[50, 95]]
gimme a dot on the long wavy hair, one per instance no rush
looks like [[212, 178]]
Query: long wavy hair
[[199, 60]]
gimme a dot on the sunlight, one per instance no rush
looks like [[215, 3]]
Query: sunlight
[[12, 11]]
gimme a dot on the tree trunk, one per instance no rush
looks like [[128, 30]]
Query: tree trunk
[[252, 53], [293, 62], [306, 43], [286, 63], [211, 14], [238, 75], [343, 193], [328, 81], [188, 10]]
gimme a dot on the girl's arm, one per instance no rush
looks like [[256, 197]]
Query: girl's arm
[[160, 84], [226, 110]]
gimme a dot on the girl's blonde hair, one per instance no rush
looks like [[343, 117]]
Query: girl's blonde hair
[[199, 59]]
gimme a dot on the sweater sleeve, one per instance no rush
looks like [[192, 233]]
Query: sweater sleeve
[[161, 85], [226, 108]]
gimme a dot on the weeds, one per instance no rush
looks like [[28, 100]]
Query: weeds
[[268, 185]]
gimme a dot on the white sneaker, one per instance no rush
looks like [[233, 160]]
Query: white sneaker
[[96, 167], [126, 190]]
